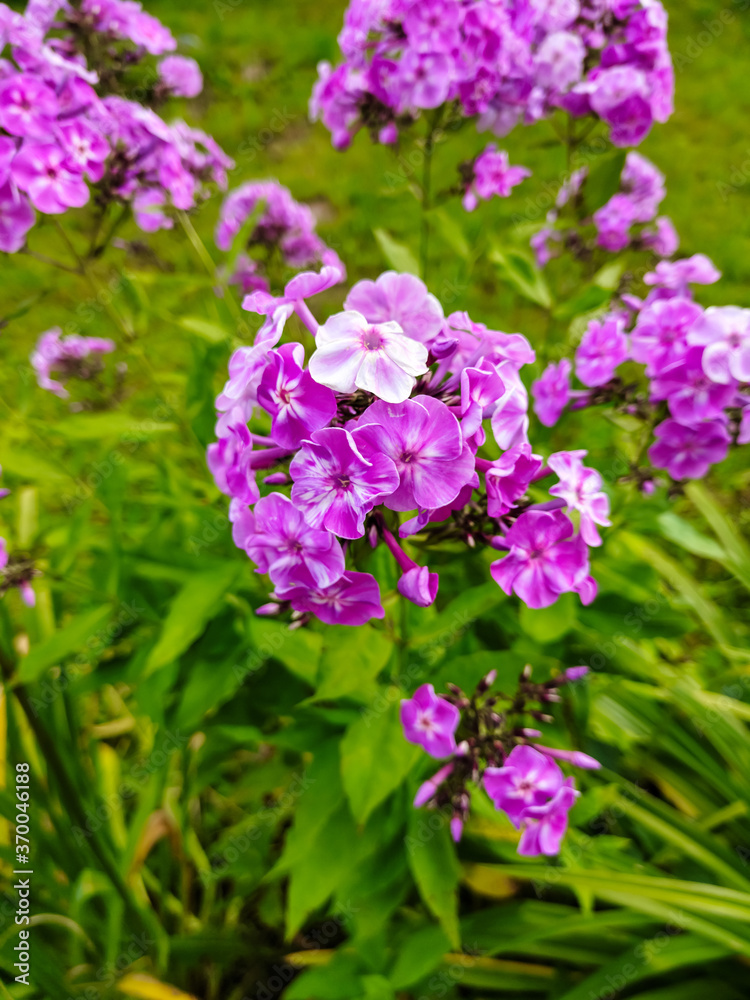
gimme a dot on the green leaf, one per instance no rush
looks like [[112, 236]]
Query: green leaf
[[451, 232], [337, 980], [351, 661], [603, 181], [375, 758], [212, 332], [327, 860], [418, 956], [323, 795], [552, 623], [587, 300], [299, 651], [72, 638], [433, 862], [682, 533], [400, 257], [519, 270], [93, 426], [197, 602]]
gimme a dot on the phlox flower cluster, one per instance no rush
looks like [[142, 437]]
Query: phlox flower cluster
[[16, 570], [66, 129], [481, 746], [628, 220], [499, 61], [68, 357], [397, 421], [695, 379], [279, 227]]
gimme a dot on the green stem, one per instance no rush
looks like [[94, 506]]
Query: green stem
[[207, 261], [424, 243], [51, 261], [97, 250]]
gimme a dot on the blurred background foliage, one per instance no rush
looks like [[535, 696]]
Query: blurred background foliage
[[221, 807]]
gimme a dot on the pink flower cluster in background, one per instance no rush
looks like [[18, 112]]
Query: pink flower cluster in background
[[523, 779], [500, 62], [68, 357], [59, 136], [627, 220], [400, 421], [696, 367], [280, 226]]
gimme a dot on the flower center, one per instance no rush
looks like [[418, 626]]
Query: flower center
[[344, 482], [371, 339], [285, 396], [425, 723]]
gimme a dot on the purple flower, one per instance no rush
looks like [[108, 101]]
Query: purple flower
[[545, 826], [298, 405], [528, 778], [678, 274], [432, 26], [603, 348], [613, 221], [283, 222], [335, 485], [87, 150], [430, 722], [663, 239], [42, 171], [689, 452], [228, 460], [246, 367], [353, 600], [16, 218], [643, 184], [660, 337], [581, 489], [16, 577], [510, 421], [399, 298], [725, 332], [352, 354], [544, 560], [28, 106], [542, 243], [430, 787], [148, 210], [71, 357], [559, 60], [508, 478], [743, 437], [692, 396], [552, 392], [574, 757], [424, 80], [422, 438], [281, 543], [492, 175], [417, 584], [181, 75], [481, 390], [620, 96]]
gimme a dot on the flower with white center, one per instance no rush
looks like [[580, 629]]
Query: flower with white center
[[352, 353]]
